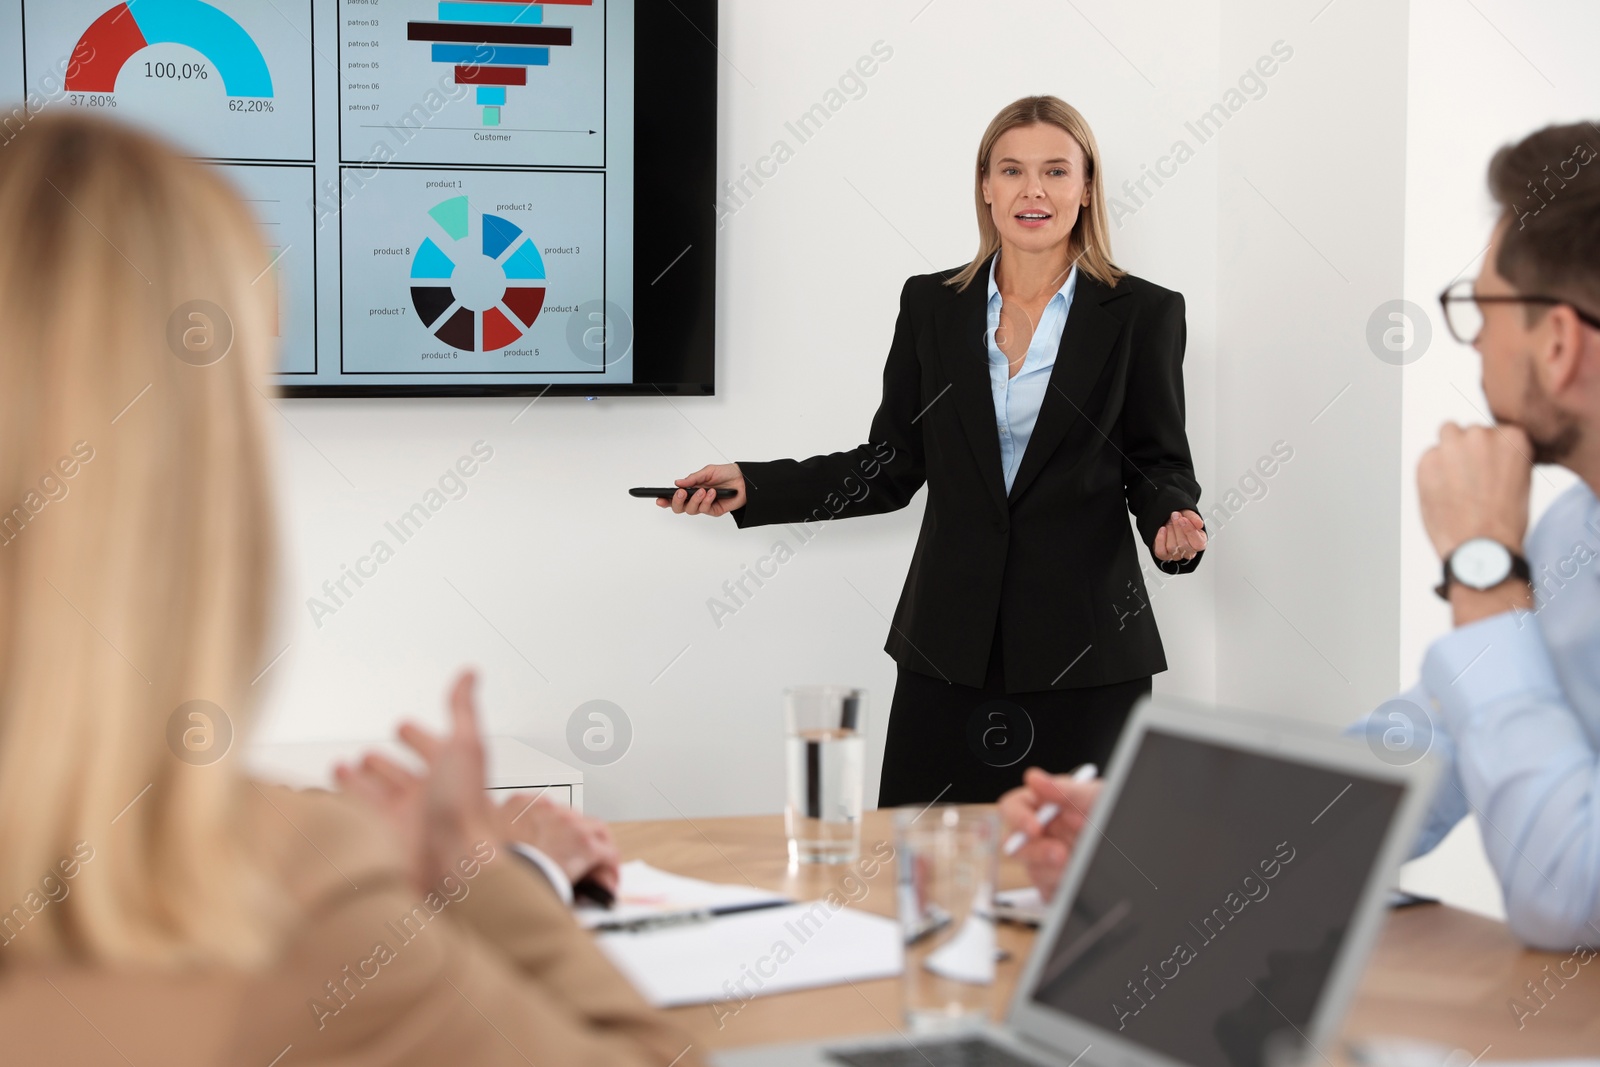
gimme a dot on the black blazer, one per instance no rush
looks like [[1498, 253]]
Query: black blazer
[[1053, 563]]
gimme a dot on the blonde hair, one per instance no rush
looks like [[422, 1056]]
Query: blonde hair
[[1091, 234], [137, 549]]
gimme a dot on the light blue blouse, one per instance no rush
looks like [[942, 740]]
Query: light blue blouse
[[1017, 398]]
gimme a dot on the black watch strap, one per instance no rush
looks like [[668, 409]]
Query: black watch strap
[[1519, 569]]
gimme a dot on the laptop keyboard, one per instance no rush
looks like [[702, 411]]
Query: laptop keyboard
[[966, 1052]]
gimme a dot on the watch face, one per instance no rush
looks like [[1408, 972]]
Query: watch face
[[1481, 563]]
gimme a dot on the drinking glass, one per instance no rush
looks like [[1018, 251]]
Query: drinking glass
[[824, 753], [947, 858]]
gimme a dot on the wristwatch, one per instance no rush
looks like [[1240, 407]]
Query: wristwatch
[[1481, 563]]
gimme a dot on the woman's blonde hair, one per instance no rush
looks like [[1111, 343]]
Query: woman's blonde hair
[[1091, 234], [136, 550]]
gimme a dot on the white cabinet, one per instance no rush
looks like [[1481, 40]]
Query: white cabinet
[[512, 766]]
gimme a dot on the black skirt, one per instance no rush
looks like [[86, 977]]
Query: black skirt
[[959, 745]]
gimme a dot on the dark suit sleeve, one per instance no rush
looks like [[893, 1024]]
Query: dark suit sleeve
[[881, 475], [1157, 473]]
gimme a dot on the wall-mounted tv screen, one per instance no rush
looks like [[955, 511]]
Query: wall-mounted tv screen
[[473, 198]]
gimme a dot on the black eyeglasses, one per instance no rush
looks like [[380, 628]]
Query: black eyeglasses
[[1464, 316]]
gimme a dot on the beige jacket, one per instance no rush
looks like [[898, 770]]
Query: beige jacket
[[495, 972]]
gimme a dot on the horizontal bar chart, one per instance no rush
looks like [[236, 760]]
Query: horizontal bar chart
[[491, 55], [491, 76], [469, 33], [493, 43], [523, 14]]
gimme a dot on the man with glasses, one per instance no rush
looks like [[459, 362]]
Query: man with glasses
[[1510, 698]]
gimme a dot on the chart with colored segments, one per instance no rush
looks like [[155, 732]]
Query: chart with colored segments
[[476, 82], [226, 79], [465, 289], [448, 313]]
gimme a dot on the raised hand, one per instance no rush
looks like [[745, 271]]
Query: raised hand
[[443, 815]]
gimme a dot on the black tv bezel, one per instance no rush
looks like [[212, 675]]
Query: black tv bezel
[[674, 317]]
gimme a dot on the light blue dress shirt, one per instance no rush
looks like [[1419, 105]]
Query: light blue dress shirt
[[1514, 701], [1017, 398]]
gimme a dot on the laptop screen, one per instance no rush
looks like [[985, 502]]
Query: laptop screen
[[1214, 906]]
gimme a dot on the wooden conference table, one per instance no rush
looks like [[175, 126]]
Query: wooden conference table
[[1438, 974]]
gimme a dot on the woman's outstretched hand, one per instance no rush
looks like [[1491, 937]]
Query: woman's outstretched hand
[[1181, 538], [694, 496]]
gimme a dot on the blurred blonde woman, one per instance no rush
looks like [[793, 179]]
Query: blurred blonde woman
[[156, 905]]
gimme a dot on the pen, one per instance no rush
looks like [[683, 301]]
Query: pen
[[1085, 773], [934, 920], [651, 922]]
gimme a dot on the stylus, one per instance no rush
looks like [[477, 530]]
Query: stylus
[[1087, 773]]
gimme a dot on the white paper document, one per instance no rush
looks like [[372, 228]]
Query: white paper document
[[750, 954], [648, 892], [1023, 906], [969, 955]]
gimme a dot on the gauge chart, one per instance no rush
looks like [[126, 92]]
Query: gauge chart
[[124, 31], [451, 272], [229, 79]]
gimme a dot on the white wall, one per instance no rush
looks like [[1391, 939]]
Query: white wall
[[1479, 79], [1312, 192], [1354, 177], [1481, 75], [562, 589]]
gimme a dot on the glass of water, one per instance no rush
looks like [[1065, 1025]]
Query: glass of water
[[946, 860], [824, 752]]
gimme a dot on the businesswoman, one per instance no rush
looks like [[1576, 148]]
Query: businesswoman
[[1037, 391], [157, 906]]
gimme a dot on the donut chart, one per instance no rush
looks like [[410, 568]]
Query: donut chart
[[444, 272]]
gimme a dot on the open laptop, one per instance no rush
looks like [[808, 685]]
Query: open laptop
[[1223, 902]]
